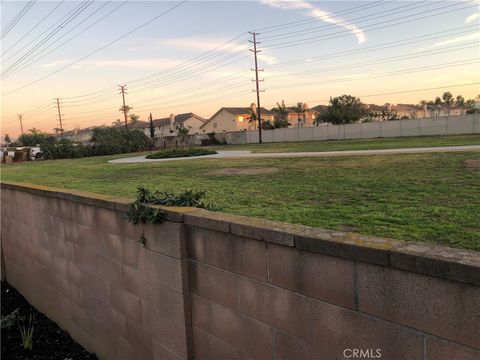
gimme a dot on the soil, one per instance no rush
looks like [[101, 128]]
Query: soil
[[49, 341], [472, 164], [245, 171]]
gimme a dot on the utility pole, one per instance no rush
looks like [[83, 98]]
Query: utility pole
[[20, 117], [123, 92], [152, 130], [59, 116], [258, 91]]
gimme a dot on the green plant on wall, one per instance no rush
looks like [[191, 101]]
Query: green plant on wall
[[141, 211]]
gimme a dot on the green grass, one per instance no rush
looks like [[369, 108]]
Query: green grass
[[416, 197], [180, 152], [365, 144]]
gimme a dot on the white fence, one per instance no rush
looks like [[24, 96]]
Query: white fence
[[446, 125]]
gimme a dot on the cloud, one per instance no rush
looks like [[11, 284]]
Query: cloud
[[197, 43], [458, 39], [472, 18], [55, 63], [318, 13]]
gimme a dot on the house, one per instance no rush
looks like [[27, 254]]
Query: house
[[301, 119], [169, 126], [234, 119], [81, 135]]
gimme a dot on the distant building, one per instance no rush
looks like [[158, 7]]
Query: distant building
[[169, 126], [234, 119]]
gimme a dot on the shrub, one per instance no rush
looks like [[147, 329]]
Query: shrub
[[185, 152], [63, 149], [109, 141]]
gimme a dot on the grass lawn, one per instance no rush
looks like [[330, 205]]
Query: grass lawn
[[416, 197], [363, 144]]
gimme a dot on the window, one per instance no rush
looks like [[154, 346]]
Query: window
[[240, 118]]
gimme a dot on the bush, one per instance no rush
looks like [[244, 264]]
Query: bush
[[109, 141], [185, 152], [63, 149]]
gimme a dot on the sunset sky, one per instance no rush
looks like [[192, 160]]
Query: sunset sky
[[185, 60]]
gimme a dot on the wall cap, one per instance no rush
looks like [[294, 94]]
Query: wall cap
[[428, 259]]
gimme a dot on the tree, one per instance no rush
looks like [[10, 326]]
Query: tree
[[117, 122], [33, 137], [447, 100], [7, 139], [470, 103], [460, 101], [281, 116], [133, 118], [300, 108], [57, 130], [438, 101], [345, 109]]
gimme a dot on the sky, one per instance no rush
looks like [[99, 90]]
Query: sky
[[193, 56]]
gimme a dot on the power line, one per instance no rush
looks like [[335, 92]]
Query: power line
[[64, 24], [97, 50], [344, 33], [17, 18], [74, 36], [33, 28]]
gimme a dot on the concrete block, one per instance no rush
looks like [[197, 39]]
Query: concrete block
[[82, 319], [167, 238], [439, 307], [319, 276], [240, 332], [127, 303], [214, 284], [289, 347], [208, 220], [109, 270], [126, 351], [140, 338], [277, 307], [440, 261], [233, 253], [208, 347], [369, 249], [438, 349], [336, 329], [196, 244], [105, 341], [85, 260], [122, 250], [162, 269], [160, 352]]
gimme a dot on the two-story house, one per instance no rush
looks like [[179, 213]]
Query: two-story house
[[234, 119], [168, 126]]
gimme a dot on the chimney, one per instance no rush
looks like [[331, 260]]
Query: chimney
[[172, 122]]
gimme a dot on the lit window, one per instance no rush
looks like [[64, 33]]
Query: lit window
[[240, 118]]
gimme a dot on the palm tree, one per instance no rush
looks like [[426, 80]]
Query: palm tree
[[133, 118], [117, 122], [281, 118], [448, 100], [300, 108]]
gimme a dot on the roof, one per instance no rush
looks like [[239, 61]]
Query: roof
[[243, 110], [237, 111], [179, 119], [320, 108]]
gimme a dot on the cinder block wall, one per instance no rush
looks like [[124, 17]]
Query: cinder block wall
[[78, 260], [217, 287]]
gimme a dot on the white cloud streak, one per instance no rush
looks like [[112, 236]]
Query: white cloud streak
[[318, 13], [472, 18]]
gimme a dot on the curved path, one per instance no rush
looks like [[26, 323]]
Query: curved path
[[249, 154]]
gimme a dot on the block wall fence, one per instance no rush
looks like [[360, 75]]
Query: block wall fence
[[212, 286], [445, 125]]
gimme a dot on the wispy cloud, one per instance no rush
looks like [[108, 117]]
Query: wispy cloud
[[318, 13], [458, 39], [55, 63], [472, 18], [133, 64], [197, 43]]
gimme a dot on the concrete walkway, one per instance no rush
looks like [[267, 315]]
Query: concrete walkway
[[249, 154]]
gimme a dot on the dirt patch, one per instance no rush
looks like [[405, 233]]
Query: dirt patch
[[472, 164], [245, 171]]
